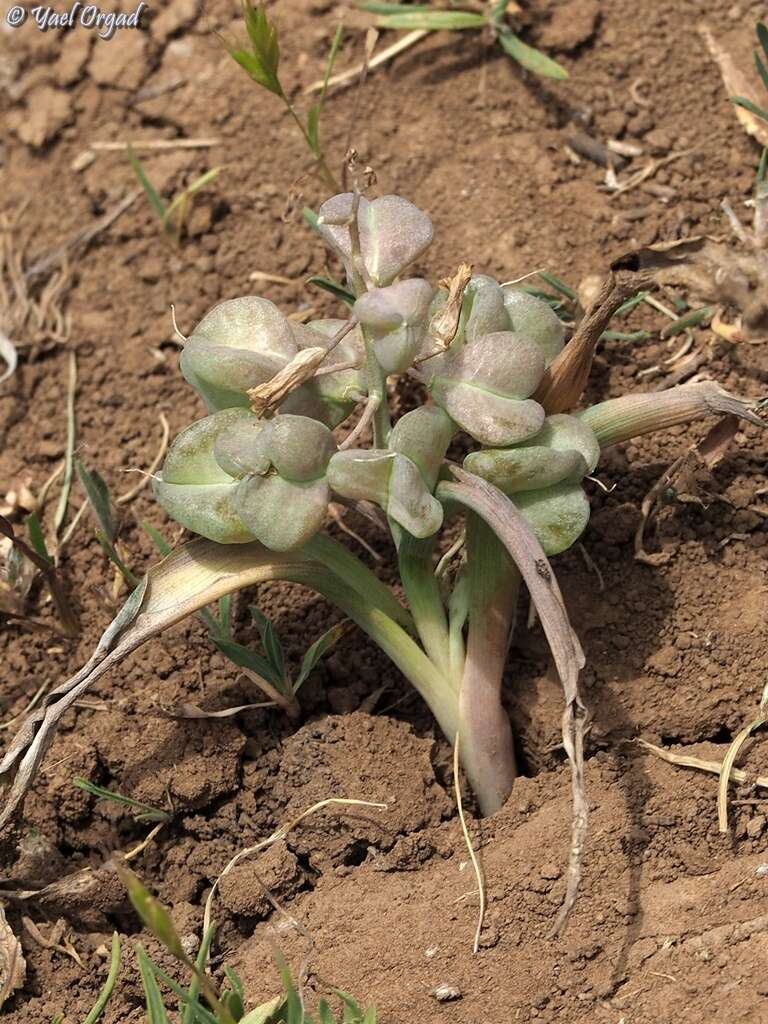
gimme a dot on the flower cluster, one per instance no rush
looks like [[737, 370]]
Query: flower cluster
[[236, 476]]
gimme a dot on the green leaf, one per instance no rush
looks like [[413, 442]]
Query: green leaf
[[311, 218], [157, 538], [108, 987], [762, 35], [761, 69], [742, 101], [370, 1015], [155, 1009], [145, 811], [233, 999], [184, 196], [433, 20], [246, 658], [313, 128], [271, 641], [36, 538], [353, 1013], [558, 285], [691, 319], [333, 287], [320, 647], [188, 1004], [531, 58], [199, 1014], [97, 493], [630, 304], [326, 1016], [225, 616], [263, 62], [313, 117], [150, 191], [265, 1013], [394, 8]]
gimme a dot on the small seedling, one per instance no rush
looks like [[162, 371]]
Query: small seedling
[[202, 1002], [495, 21], [261, 61], [141, 811], [173, 216]]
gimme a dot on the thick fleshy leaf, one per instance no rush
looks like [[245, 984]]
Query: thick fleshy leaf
[[564, 433], [410, 503], [483, 310], [282, 514], [501, 514], [190, 578], [558, 515], [504, 363], [296, 446], [334, 391], [535, 320], [393, 233]]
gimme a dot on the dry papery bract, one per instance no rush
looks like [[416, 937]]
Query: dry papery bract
[[255, 478]]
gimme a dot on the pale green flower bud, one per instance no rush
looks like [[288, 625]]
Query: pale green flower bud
[[395, 318], [242, 343], [393, 233], [484, 385], [194, 489], [535, 320], [558, 515], [232, 478], [392, 481], [543, 475], [424, 435]]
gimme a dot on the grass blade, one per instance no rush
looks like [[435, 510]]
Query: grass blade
[[530, 58], [36, 538], [69, 454], [150, 191], [106, 992], [271, 641], [155, 1009], [742, 101], [432, 20], [333, 287], [97, 493], [319, 648], [146, 811]]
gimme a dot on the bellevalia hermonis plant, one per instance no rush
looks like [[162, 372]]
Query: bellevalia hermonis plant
[[256, 475], [236, 476]]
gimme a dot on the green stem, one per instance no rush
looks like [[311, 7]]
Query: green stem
[[399, 647], [351, 570], [377, 388], [324, 172], [486, 734], [424, 598]]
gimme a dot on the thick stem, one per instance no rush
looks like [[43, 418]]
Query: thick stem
[[486, 734], [423, 592]]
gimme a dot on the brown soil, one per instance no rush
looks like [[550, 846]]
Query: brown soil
[[671, 921]]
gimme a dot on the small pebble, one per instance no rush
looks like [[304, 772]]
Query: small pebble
[[446, 993]]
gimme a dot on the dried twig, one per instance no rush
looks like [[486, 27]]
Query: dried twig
[[345, 78]]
